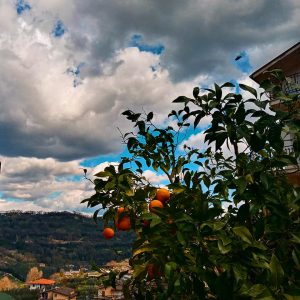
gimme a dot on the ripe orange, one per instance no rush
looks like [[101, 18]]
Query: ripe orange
[[155, 204], [153, 271], [162, 195], [170, 221], [120, 210], [108, 233], [150, 271], [124, 223], [146, 223]]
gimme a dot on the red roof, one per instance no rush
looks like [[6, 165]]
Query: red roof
[[42, 281]]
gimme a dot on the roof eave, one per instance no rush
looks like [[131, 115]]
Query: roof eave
[[265, 67]]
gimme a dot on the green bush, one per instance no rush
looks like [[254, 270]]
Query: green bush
[[231, 228]]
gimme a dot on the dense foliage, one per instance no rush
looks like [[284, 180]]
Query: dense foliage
[[23, 294], [55, 239], [231, 228]]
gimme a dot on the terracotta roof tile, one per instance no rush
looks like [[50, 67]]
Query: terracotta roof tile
[[42, 281]]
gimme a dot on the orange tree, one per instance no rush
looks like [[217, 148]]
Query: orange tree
[[230, 229]]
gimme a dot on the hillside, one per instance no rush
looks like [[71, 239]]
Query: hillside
[[56, 240]]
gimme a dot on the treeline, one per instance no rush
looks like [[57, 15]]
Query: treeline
[[56, 239]]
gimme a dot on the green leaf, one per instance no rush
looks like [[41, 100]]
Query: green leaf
[[103, 174], [295, 239], [241, 185], [274, 137], [295, 259], [138, 270], [292, 293], [198, 118], [224, 248], [182, 99], [291, 297], [95, 215], [248, 89], [138, 164], [257, 142], [214, 225], [131, 142], [244, 233], [218, 92], [187, 178], [240, 114], [255, 291], [264, 180], [155, 221], [180, 238], [220, 139], [142, 250], [150, 116], [228, 84], [169, 268], [276, 270], [240, 272]]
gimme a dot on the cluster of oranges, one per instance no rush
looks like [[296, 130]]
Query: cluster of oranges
[[122, 221]]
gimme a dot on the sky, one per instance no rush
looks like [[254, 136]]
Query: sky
[[69, 68]]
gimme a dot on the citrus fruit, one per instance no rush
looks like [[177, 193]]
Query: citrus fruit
[[153, 271], [120, 210], [108, 233], [146, 223], [162, 195], [123, 223], [155, 204]]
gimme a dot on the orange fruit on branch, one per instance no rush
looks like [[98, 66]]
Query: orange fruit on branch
[[162, 195], [108, 233], [155, 204], [153, 271], [123, 223], [146, 223], [120, 210]]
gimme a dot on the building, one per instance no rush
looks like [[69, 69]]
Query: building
[[289, 63], [59, 293], [110, 293], [41, 284]]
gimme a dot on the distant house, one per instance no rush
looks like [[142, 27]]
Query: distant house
[[72, 273], [289, 63], [59, 293], [41, 284], [110, 293], [93, 274]]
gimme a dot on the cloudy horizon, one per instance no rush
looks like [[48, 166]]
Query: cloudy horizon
[[69, 69]]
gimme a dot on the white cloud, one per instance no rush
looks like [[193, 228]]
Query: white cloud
[[155, 178], [42, 115], [47, 116], [196, 141], [42, 184]]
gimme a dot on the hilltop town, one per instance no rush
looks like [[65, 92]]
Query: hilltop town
[[74, 284]]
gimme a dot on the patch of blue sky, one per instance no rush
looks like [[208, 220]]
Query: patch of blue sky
[[59, 29], [137, 41], [22, 6], [54, 195], [16, 200], [97, 160], [237, 87], [75, 73], [242, 62], [73, 178]]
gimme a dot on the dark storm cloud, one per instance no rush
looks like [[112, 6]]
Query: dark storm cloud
[[199, 36]]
